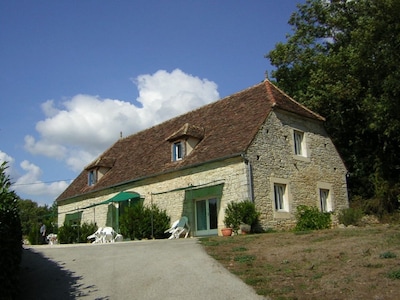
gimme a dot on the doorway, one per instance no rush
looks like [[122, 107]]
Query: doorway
[[207, 217]]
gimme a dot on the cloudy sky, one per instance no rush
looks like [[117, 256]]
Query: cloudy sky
[[75, 74]]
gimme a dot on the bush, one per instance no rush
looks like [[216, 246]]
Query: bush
[[350, 216], [395, 274], [310, 218], [141, 222], [85, 230], [238, 213], [70, 234], [11, 238], [388, 254]]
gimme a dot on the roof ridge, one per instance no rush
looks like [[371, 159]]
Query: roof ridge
[[188, 112], [268, 87], [269, 91]]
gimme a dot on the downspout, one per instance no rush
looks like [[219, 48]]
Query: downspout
[[250, 185]]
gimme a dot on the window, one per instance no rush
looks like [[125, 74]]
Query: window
[[178, 150], [325, 200], [92, 178], [280, 197], [299, 143]]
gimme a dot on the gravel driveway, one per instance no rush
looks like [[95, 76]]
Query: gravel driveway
[[158, 269]]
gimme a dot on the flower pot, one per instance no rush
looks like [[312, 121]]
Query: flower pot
[[226, 231], [245, 228]]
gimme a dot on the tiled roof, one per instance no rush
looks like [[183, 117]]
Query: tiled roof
[[187, 130], [225, 128]]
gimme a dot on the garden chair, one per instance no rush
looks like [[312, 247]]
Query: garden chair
[[179, 227]]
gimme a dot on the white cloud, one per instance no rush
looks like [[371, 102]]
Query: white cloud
[[4, 157], [30, 183], [44, 147], [10, 171], [86, 125], [49, 109]]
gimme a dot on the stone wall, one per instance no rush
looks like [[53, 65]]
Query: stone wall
[[168, 192], [272, 160]]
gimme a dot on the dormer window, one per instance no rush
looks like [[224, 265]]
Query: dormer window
[[178, 150], [92, 177], [184, 140], [97, 169]]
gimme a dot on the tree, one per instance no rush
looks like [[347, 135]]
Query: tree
[[342, 61], [11, 238], [31, 214]]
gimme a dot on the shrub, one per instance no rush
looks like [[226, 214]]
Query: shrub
[[11, 238], [350, 216], [310, 218], [85, 230], [141, 222], [388, 254], [395, 274], [238, 213], [70, 234]]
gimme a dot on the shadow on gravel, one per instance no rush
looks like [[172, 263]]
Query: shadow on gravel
[[42, 278]]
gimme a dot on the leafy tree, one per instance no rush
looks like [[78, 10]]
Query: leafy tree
[[342, 60], [32, 214], [11, 238]]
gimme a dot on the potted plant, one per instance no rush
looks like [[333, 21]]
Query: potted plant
[[239, 214], [248, 216], [227, 231]]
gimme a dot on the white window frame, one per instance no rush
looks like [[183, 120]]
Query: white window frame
[[284, 210], [299, 143], [325, 197], [280, 197], [178, 150]]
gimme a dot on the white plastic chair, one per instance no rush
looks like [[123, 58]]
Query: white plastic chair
[[178, 228], [104, 235]]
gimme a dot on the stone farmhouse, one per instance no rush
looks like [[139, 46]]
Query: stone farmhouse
[[256, 145]]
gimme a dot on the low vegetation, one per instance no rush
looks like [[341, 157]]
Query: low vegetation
[[71, 234], [311, 218], [238, 213], [144, 222], [341, 263]]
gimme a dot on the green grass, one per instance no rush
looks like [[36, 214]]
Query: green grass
[[310, 265], [244, 258], [387, 254], [239, 249], [395, 274]]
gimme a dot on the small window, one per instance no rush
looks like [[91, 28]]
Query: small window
[[280, 197], [299, 143], [178, 151], [325, 200], [92, 178]]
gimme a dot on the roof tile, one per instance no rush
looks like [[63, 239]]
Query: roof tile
[[227, 127]]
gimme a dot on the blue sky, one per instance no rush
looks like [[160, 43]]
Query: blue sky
[[74, 74]]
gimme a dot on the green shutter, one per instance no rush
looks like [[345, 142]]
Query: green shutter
[[73, 219]]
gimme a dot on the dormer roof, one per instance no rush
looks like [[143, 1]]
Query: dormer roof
[[187, 130]]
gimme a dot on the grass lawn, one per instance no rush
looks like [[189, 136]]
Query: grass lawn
[[348, 263]]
